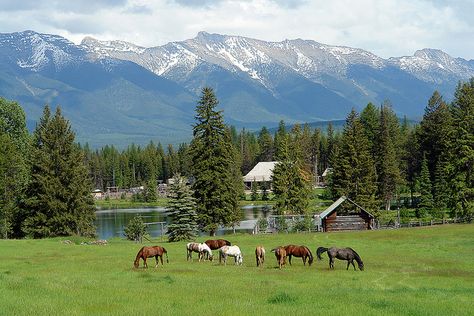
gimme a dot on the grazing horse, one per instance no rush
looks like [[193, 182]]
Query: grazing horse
[[233, 251], [280, 254], [200, 249], [217, 243], [348, 254], [148, 252], [204, 248], [260, 255], [299, 251]]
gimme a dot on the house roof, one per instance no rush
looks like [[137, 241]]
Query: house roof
[[262, 171], [339, 201]]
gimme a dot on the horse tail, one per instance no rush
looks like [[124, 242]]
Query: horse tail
[[311, 258], [137, 259], [320, 251], [166, 253]]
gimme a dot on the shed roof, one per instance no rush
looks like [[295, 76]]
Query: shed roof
[[339, 201], [262, 171]]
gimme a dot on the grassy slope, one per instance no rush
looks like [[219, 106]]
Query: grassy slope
[[409, 271]]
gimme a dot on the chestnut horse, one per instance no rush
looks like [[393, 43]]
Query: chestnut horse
[[148, 252], [348, 254], [280, 254], [299, 251], [260, 255], [217, 243]]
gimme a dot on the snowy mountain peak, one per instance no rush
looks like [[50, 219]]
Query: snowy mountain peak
[[36, 51], [104, 48]]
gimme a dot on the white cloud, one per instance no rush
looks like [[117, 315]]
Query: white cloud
[[387, 28]]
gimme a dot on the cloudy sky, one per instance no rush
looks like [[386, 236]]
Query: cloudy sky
[[385, 27]]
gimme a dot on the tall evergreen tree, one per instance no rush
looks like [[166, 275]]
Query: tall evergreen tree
[[425, 206], [462, 159], [354, 172], [387, 156], [182, 210], [14, 150], [59, 200], [265, 142], [290, 181], [213, 166]]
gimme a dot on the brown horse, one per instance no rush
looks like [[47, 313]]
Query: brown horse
[[260, 255], [148, 252], [280, 254], [217, 243], [299, 251]]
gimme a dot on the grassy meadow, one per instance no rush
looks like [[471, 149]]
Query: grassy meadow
[[415, 271]]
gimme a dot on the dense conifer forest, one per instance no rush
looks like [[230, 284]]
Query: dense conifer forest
[[378, 160]]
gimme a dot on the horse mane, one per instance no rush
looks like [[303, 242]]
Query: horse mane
[[319, 251], [139, 255], [356, 256], [310, 261], [227, 242], [166, 253]]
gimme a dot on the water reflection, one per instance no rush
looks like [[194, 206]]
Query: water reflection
[[111, 223]]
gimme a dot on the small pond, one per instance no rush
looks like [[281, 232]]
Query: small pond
[[111, 223]]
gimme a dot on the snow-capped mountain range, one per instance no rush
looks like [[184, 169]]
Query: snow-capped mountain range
[[257, 82]]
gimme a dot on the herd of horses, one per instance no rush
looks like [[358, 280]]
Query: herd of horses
[[226, 249]]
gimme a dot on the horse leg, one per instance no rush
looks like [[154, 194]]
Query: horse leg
[[352, 261], [156, 258], [348, 263], [304, 260], [144, 263], [161, 259], [331, 263], [289, 259]]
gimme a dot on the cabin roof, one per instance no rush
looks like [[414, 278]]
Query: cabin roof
[[262, 171], [339, 201]]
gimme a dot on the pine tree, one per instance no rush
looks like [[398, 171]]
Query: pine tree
[[387, 155], [214, 166], [354, 172], [462, 158], [182, 210], [14, 150], [290, 181], [370, 119], [59, 199], [425, 206], [265, 142], [441, 193]]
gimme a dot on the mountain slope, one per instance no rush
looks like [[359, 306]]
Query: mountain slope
[[116, 92]]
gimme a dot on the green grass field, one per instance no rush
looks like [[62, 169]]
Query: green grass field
[[417, 271]]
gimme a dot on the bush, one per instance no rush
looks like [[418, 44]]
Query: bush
[[135, 229], [304, 224], [262, 224]]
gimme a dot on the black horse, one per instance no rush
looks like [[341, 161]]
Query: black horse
[[348, 254]]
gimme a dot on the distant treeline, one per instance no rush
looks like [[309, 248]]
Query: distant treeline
[[375, 156]]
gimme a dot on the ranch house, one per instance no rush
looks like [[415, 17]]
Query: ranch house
[[353, 218], [262, 172]]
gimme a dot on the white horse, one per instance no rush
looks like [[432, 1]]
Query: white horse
[[233, 251], [204, 248], [200, 249]]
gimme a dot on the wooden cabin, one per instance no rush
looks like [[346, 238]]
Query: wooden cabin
[[355, 219]]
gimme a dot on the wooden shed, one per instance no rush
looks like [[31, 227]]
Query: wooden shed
[[355, 219]]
